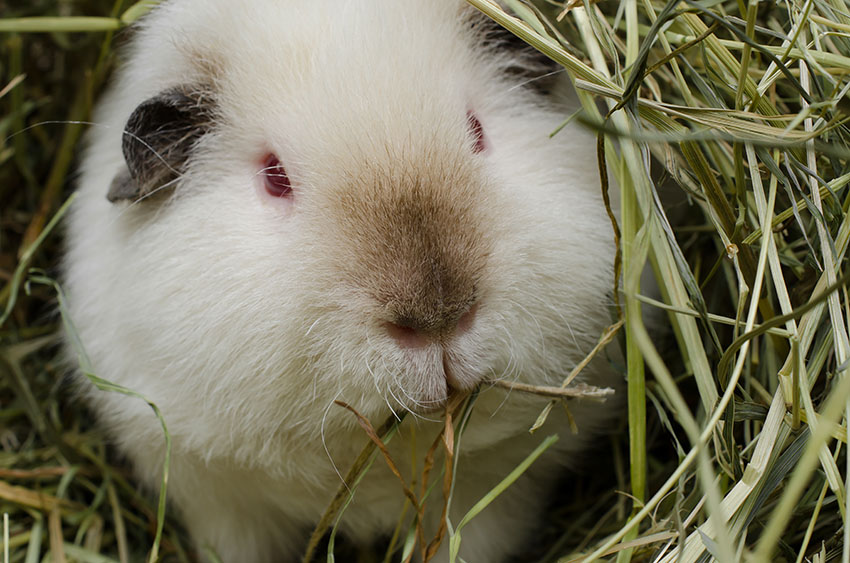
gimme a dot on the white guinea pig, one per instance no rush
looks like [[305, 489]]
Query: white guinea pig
[[288, 203]]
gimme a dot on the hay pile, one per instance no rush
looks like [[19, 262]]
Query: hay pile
[[736, 436], [744, 106]]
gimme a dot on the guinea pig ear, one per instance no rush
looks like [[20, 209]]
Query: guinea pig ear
[[158, 140]]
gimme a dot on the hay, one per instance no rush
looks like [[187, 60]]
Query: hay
[[743, 105], [736, 436]]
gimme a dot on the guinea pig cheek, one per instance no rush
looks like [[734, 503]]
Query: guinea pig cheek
[[273, 183]]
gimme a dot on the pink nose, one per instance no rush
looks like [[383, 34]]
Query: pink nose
[[408, 336]]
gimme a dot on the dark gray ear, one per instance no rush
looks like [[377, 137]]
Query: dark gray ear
[[158, 140]]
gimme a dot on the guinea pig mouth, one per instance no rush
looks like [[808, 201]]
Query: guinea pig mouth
[[454, 380], [439, 380], [452, 398]]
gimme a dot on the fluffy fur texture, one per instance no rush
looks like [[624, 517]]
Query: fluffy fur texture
[[243, 318]]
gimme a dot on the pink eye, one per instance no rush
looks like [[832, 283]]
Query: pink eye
[[477, 132], [276, 181]]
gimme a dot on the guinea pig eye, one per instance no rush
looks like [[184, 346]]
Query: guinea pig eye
[[276, 181], [477, 132]]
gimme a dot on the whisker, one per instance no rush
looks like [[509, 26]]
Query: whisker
[[324, 442]]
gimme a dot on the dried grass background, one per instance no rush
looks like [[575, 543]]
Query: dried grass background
[[736, 441]]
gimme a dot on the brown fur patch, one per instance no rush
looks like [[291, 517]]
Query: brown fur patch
[[416, 228]]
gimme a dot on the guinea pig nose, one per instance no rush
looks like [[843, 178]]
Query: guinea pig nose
[[465, 321], [407, 336], [410, 332]]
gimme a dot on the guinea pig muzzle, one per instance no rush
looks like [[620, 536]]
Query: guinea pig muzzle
[[435, 352]]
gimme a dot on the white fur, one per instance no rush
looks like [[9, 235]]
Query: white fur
[[231, 315]]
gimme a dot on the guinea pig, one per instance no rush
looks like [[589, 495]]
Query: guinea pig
[[286, 204]]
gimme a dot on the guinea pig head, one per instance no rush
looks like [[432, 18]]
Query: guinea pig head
[[382, 243], [320, 208]]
